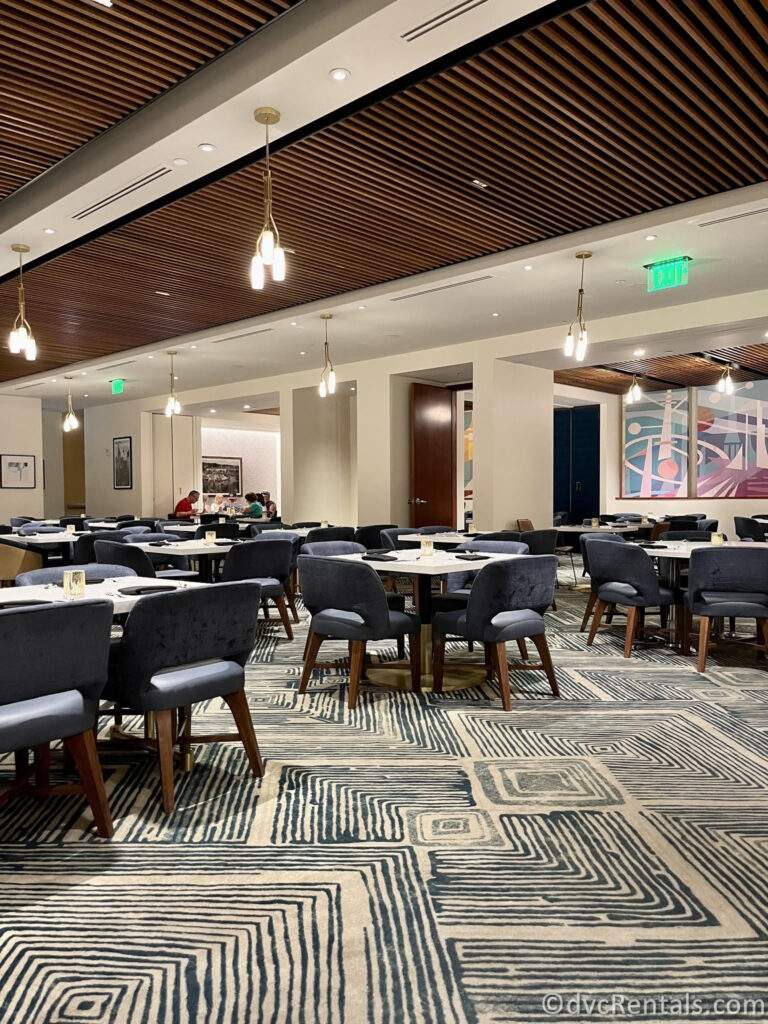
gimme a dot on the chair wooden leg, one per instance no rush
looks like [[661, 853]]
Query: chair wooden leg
[[282, 608], [629, 636], [83, 750], [414, 648], [764, 627], [401, 648], [546, 662], [554, 609], [664, 615], [313, 646], [705, 625], [165, 755], [356, 661], [238, 705], [687, 624], [43, 764], [679, 625], [523, 649], [438, 661], [265, 606], [588, 611], [502, 670], [21, 760], [597, 618], [291, 599], [488, 648]]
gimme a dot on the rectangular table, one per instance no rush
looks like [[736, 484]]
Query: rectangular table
[[630, 528], [122, 603], [192, 549]]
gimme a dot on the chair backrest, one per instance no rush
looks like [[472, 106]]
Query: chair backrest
[[524, 525], [625, 563], [540, 542], [560, 519], [707, 525], [736, 569], [125, 519], [273, 524], [15, 559], [683, 523], [4, 528], [306, 525], [628, 517], [370, 536], [77, 521], [55, 573], [700, 536], [586, 539], [659, 530], [55, 648], [230, 531], [326, 548], [130, 528], [511, 586], [259, 559], [21, 520], [507, 535], [746, 528], [30, 529], [208, 517], [458, 580], [325, 533], [345, 585], [391, 538], [128, 555], [436, 529], [165, 631], [144, 538]]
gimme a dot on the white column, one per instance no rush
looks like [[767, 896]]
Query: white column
[[513, 407]]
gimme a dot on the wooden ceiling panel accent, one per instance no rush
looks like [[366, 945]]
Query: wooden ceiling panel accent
[[72, 68], [598, 378], [614, 109]]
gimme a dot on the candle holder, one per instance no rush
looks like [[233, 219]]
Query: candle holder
[[427, 547], [69, 528], [718, 538], [74, 583], [210, 537]]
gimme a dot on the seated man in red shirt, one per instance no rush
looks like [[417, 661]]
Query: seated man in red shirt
[[184, 509]]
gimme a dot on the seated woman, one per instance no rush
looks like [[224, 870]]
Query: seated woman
[[255, 507]]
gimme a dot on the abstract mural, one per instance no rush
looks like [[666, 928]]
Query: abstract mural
[[732, 457], [655, 446]]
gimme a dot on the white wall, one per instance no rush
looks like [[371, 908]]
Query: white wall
[[323, 450], [53, 498], [101, 424], [21, 433], [259, 450]]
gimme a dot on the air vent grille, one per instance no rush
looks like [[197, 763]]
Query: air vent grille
[[438, 20], [442, 288], [126, 190], [245, 334], [735, 216]]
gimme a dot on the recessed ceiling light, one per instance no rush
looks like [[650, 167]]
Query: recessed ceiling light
[[479, 184], [150, 357], [85, 396], [528, 267], [82, 373], [302, 353], [180, 161], [49, 231], [650, 238], [211, 410], [621, 281], [361, 307], [494, 314], [353, 389], [206, 147], [639, 352], [175, 377], [766, 334], [53, 380], [293, 323], [103, 3], [161, 293], [340, 74], [193, 346], [246, 407]]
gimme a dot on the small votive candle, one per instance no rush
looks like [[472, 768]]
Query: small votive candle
[[70, 528], [222, 519], [427, 547], [717, 538], [595, 521], [210, 537], [472, 528], [324, 523], [74, 582]]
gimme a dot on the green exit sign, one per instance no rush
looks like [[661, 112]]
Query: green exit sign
[[668, 273], [117, 387]]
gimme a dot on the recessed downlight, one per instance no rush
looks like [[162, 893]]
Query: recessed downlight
[[206, 147], [353, 389], [180, 161], [302, 353], [340, 74], [82, 373], [211, 410], [361, 307], [161, 293], [478, 183], [528, 266], [193, 346], [246, 407], [639, 352], [650, 238], [494, 314], [150, 357], [294, 323], [49, 231]]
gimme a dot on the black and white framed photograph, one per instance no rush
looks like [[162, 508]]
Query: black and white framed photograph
[[17, 471], [222, 475], [122, 463]]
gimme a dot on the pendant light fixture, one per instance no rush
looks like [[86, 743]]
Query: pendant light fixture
[[577, 346], [725, 384], [173, 405], [635, 392], [328, 376], [21, 340], [71, 422], [269, 252]]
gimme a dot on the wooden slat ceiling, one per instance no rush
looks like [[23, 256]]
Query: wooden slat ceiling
[[72, 68], [612, 110], [691, 370]]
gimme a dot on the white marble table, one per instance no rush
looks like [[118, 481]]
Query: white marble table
[[453, 537], [103, 524], [43, 539], [192, 548], [613, 528], [109, 590]]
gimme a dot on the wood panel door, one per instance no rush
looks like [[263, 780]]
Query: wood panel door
[[433, 456]]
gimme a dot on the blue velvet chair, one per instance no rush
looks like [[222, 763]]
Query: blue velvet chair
[[746, 529], [306, 526], [268, 563], [77, 521], [505, 535], [21, 520], [348, 602], [129, 555], [707, 525], [229, 531], [390, 539], [725, 583], [370, 536], [55, 574], [31, 529], [585, 540], [506, 603], [84, 550], [182, 648], [325, 533], [59, 654], [296, 542], [134, 528], [436, 529], [627, 578], [457, 584]]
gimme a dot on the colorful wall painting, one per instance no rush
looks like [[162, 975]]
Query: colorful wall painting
[[468, 458], [655, 446], [732, 456]]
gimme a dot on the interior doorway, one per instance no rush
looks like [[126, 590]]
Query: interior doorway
[[576, 468]]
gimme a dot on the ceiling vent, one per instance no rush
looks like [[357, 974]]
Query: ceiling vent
[[114, 366], [245, 334], [126, 190], [441, 288], [438, 20], [735, 216], [34, 384]]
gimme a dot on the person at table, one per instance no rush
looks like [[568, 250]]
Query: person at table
[[270, 508], [185, 509], [255, 507]]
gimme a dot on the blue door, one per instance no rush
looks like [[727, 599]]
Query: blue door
[[577, 462]]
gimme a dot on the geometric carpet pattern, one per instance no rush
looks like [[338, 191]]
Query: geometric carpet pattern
[[420, 859]]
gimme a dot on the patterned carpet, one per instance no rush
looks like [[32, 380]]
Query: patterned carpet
[[418, 860]]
